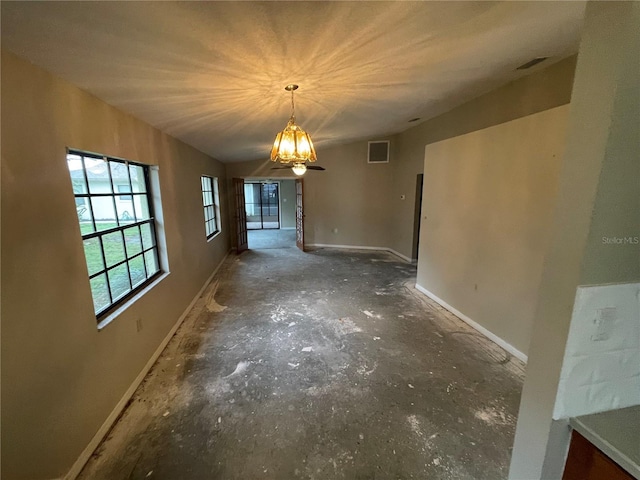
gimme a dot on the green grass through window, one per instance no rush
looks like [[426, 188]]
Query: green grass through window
[[115, 251]]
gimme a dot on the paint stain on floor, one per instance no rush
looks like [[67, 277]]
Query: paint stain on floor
[[284, 370]]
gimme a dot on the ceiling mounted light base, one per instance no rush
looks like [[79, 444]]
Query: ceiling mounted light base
[[293, 144]]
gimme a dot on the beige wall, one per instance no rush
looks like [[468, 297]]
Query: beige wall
[[348, 204], [542, 90], [350, 196], [288, 204], [487, 208], [61, 377]]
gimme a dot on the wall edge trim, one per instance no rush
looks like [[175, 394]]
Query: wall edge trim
[[360, 247], [475, 325], [111, 419]]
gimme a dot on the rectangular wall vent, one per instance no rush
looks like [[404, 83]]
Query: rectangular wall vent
[[378, 152]]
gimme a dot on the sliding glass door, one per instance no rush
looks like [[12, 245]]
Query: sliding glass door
[[262, 203]]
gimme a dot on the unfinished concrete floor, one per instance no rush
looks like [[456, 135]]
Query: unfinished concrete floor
[[271, 238], [319, 365]]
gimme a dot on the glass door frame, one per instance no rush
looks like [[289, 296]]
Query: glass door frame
[[251, 203]]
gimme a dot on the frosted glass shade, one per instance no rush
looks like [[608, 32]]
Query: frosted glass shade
[[293, 145], [299, 168]]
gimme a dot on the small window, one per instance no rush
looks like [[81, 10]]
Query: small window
[[210, 203], [118, 231]]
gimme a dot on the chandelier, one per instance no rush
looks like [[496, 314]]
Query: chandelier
[[293, 145]]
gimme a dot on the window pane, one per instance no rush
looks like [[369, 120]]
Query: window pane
[[76, 171], [137, 178], [125, 210], [78, 182], [100, 292], [113, 248], [141, 205], [98, 175], [211, 227], [151, 260], [119, 281], [84, 217], [138, 273], [119, 174], [93, 254], [123, 188], [147, 236], [104, 213], [132, 241]]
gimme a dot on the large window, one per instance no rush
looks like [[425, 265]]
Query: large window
[[210, 203], [115, 211]]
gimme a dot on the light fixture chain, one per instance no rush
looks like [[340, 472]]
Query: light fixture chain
[[293, 144], [293, 106]]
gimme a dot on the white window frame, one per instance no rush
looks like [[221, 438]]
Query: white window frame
[[141, 226], [211, 205]]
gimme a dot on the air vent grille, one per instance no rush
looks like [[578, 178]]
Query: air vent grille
[[378, 152]]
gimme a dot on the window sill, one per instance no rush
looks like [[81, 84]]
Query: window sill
[[214, 236], [120, 310]]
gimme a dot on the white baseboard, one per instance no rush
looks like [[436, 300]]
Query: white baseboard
[[398, 254], [79, 464], [360, 247], [491, 336], [287, 228]]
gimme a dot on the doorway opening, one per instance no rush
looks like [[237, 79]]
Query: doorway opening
[[417, 215], [262, 203], [269, 213]]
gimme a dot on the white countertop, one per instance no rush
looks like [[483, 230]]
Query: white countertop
[[616, 433]]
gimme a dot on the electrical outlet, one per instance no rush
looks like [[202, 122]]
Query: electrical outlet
[[138, 324]]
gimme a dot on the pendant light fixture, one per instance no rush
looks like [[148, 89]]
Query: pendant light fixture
[[293, 145]]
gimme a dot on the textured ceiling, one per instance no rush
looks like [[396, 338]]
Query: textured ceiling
[[212, 73]]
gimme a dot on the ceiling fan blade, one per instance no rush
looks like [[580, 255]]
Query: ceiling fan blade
[[309, 167]]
